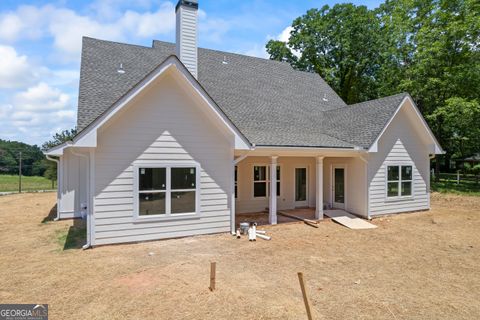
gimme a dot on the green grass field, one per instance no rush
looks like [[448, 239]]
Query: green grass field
[[10, 183], [465, 187]]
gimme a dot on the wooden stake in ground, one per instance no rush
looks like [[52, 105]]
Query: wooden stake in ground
[[212, 275], [304, 293]]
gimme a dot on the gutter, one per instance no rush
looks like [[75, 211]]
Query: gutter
[[58, 185], [89, 220]]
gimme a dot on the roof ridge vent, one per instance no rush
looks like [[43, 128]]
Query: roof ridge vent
[[325, 97], [224, 60]]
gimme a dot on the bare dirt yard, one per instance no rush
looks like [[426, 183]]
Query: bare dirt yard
[[422, 265]]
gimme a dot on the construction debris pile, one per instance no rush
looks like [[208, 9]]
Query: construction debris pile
[[250, 229]]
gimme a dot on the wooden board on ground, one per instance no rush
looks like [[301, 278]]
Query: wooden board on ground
[[311, 223], [348, 220]]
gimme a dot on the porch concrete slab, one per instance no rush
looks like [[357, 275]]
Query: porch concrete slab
[[261, 218], [348, 220]]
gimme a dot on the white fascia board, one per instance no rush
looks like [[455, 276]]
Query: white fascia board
[[437, 148], [57, 151], [88, 137]]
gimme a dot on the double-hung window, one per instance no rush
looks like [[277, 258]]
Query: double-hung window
[[399, 181], [261, 180], [166, 191]]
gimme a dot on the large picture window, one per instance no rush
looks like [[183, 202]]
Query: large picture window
[[399, 181], [167, 190], [261, 180]]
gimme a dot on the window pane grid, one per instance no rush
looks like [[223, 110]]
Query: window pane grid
[[167, 191], [399, 181], [261, 181]]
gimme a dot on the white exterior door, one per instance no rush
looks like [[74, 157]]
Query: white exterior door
[[301, 183], [338, 187]]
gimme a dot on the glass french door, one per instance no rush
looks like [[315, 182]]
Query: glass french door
[[301, 199], [339, 187]]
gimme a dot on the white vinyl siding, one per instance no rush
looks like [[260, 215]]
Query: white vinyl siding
[[74, 185], [400, 145], [160, 126], [186, 37]]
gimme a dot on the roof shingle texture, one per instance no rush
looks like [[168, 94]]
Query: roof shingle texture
[[268, 101]]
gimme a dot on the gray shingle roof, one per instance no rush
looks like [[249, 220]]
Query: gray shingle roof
[[270, 103]]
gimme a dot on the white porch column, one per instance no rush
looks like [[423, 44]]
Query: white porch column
[[319, 189], [272, 216]]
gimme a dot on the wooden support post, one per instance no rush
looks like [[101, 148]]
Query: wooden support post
[[304, 293], [212, 275]]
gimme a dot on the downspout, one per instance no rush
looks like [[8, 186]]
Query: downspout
[[232, 213], [58, 185], [89, 220], [366, 186], [431, 156]]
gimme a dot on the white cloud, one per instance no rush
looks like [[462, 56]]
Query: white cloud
[[148, 24], [212, 29], [67, 27], [27, 22], [257, 51], [33, 113], [5, 110], [285, 34], [10, 26], [41, 97], [15, 70]]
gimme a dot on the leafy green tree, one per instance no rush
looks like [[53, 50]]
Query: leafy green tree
[[429, 48], [58, 138], [438, 42], [457, 123], [341, 44], [10, 157], [279, 51]]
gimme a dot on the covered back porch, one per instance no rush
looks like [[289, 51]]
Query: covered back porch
[[304, 183]]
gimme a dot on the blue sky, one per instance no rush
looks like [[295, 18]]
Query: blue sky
[[40, 43]]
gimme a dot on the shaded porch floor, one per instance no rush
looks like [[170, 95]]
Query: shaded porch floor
[[261, 218]]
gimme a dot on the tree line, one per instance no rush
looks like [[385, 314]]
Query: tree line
[[429, 48], [32, 158]]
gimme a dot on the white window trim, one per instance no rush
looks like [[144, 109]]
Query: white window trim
[[345, 182], [168, 191], [267, 181], [294, 191], [399, 197]]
